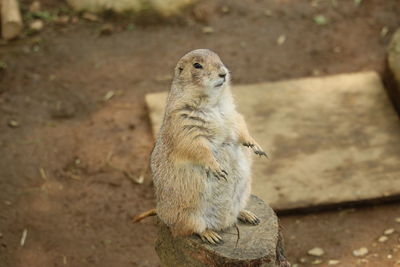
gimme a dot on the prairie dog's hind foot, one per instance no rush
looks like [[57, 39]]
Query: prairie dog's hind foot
[[210, 236], [248, 217]]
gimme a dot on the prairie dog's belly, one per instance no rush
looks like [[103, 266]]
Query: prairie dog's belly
[[224, 199]]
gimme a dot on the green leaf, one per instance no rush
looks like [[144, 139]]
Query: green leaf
[[3, 65], [321, 20], [130, 27]]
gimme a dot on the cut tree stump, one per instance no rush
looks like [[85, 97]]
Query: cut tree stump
[[11, 22], [260, 245]]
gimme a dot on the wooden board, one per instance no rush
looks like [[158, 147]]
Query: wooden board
[[330, 139]]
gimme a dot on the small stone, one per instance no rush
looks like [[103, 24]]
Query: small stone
[[316, 261], [388, 231], [390, 256], [207, 29], [337, 50], [360, 252], [225, 9], [316, 252], [382, 239], [90, 16], [281, 40], [295, 265], [397, 220], [384, 31], [36, 25], [106, 29], [13, 123], [268, 13], [1, 235], [333, 262], [35, 7], [303, 260]]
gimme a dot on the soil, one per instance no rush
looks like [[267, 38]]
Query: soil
[[75, 135]]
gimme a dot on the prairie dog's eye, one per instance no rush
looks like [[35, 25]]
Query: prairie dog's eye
[[197, 66]]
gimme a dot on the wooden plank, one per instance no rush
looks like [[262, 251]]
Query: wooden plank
[[330, 139]]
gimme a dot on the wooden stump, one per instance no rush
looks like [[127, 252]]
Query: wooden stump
[[260, 245], [11, 22]]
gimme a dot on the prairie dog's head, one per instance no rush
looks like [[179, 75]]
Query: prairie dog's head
[[203, 71]]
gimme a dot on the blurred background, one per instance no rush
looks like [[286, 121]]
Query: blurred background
[[75, 135]]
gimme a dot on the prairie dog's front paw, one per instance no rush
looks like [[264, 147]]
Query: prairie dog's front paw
[[218, 172], [256, 148]]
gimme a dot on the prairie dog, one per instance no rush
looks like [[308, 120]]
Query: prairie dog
[[201, 160]]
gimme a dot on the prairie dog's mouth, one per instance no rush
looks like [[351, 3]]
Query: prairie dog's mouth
[[219, 83]]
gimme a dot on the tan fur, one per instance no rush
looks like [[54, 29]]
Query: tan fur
[[200, 165]]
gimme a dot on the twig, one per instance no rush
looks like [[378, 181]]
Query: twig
[[23, 238], [43, 173]]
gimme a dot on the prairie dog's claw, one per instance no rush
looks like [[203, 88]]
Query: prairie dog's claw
[[248, 217], [248, 144], [261, 153], [221, 174], [256, 148], [211, 237]]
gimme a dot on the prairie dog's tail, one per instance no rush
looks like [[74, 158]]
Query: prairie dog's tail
[[141, 216]]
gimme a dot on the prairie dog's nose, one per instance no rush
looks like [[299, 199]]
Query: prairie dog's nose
[[222, 75]]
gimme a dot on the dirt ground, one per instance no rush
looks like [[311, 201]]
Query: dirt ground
[[74, 130]]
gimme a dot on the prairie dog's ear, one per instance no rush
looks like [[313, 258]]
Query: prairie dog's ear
[[178, 69]]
